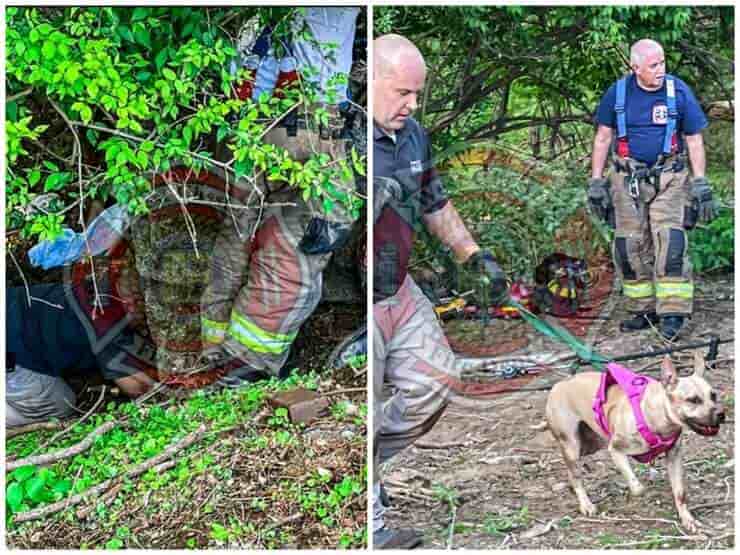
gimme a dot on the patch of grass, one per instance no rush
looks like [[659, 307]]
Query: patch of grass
[[607, 539], [324, 496], [357, 539], [341, 412], [328, 497], [231, 532], [500, 525], [463, 528]]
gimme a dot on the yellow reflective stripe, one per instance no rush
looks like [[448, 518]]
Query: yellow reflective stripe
[[638, 290], [255, 338], [213, 331], [557, 289], [682, 290]]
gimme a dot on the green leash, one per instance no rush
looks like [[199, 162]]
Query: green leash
[[561, 335]]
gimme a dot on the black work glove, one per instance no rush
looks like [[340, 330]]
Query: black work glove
[[491, 277], [701, 197], [323, 236], [600, 199]]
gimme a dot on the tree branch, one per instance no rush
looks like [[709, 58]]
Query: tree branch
[[47, 458]]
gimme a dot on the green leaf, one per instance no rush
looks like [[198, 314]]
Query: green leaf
[[143, 76], [93, 89], [56, 181], [48, 50], [51, 166], [85, 113], [169, 74], [33, 177], [46, 475], [45, 29], [11, 110], [218, 532], [223, 131], [140, 13], [142, 37], [62, 486], [14, 496], [161, 58], [35, 489], [72, 73], [188, 29], [125, 33], [114, 543], [23, 473]]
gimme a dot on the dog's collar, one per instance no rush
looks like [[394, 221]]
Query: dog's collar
[[634, 386]]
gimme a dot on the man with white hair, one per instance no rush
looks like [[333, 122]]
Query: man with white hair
[[409, 346], [648, 197]]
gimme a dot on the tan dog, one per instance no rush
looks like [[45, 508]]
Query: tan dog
[[668, 406]]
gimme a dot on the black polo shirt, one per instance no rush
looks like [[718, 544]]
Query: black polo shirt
[[407, 161]]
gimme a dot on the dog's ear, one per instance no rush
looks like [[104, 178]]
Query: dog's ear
[[668, 375], [699, 364]]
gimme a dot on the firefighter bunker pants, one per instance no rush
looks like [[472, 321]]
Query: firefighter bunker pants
[[411, 353], [263, 287], [651, 245]]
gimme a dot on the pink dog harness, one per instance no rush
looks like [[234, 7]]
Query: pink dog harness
[[634, 386]]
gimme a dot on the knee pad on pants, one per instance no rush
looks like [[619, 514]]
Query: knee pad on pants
[[675, 252], [621, 255]]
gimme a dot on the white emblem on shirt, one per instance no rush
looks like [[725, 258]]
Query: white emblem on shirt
[[660, 114], [416, 166]]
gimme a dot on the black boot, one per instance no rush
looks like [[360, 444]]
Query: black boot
[[402, 538], [384, 499], [670, 326], [241, 376], [639, 321]]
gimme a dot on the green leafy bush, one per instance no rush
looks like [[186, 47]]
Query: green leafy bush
[[712, 246], [517, 218], [99, 98]]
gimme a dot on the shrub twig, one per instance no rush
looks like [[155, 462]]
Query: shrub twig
[[159, 462], [76, 449]]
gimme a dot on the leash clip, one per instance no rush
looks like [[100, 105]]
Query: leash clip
[[634, 186]]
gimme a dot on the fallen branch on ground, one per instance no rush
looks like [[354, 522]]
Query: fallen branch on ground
[[87, 415], [422, 445], [35, 427], [155, 462], [713, 505], [76, 449], [657, 539], [106, 499], [283, 522], [342, 391]]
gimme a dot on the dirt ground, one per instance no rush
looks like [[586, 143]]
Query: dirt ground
[[483, 479], [260, 485]]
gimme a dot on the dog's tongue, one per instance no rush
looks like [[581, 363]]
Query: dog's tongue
[[704, 429]]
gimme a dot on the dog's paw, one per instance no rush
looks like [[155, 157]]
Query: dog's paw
[[636, 489], [588, 508], [690, 523]]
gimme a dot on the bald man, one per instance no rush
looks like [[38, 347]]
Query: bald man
[[648, 196], [410, 349]]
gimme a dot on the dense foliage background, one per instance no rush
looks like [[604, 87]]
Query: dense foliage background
[[97, 98], [521, 84]]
